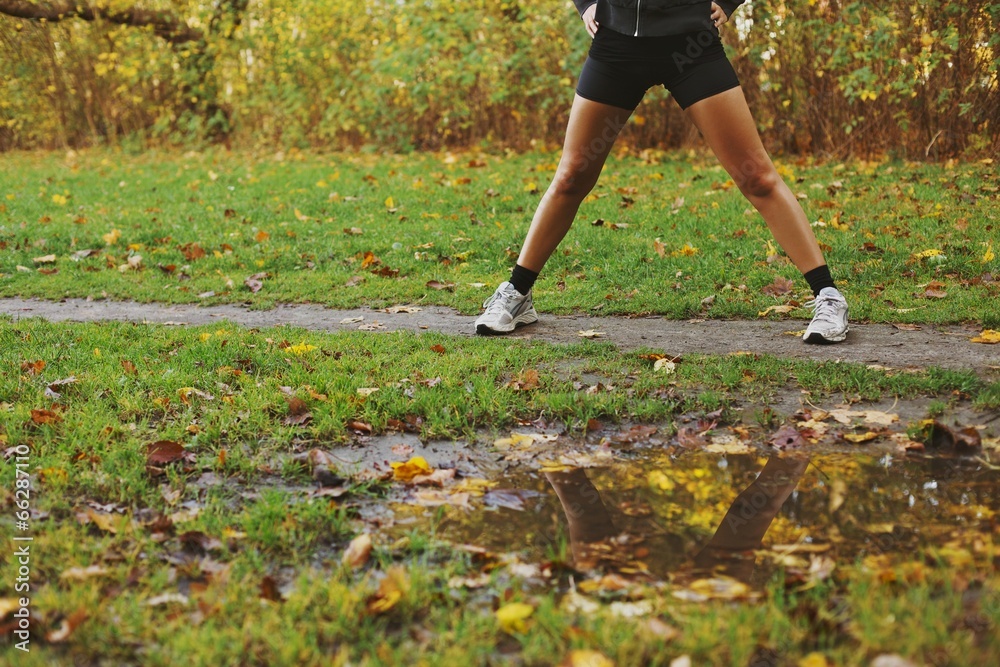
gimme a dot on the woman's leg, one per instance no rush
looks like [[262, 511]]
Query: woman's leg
[[593, 128], [730, 131]]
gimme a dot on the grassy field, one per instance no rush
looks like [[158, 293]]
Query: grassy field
[[906, 242], [186, 505], [219, 550]]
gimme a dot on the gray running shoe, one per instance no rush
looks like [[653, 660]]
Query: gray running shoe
[[506, 310], [829, 322]]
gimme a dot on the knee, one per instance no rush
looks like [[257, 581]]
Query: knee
[[571, 184], [760, 183]]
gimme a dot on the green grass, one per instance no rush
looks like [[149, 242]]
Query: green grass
[[460, 219]]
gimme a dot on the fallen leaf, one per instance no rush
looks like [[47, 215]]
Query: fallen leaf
[[586, 658], [779, 287], [988, 337], [525, 381], [391, 590], [589, 333], [33, 367], [45, 417], [781, 310], [103, 521], [665, 366], [269, 589], [512, 616], [366, 391], [434, 284], [359, 427], [858, 438], [946, 440], [47, 259], [405, 472], [438, 348], [68, 625], [402, 309], [163, 452], [358, 551], [352, 320], [787, 437], [166, 598], [84, 573]]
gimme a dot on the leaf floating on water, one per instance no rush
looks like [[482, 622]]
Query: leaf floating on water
[[787, 437]]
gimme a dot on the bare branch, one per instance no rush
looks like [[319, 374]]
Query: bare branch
[[164, 23]]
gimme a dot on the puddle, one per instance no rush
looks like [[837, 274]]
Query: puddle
[[659, 513]]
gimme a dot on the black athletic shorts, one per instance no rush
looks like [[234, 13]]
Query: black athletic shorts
[[621, 68]]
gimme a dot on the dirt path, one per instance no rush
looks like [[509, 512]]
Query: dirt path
[[884, 345]]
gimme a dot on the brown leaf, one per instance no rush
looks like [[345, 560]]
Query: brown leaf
[[192, 251], [269, 589], [690, 438], [354, 280], [945, 440], [637, 433], [438, 348], [33, 367], [787, 437], [525, 381], [779, 287], [358, 551], [45, 417], [163, 452], [434, 284], [359, 427], [129, 367], [369, 259], [69, 624]]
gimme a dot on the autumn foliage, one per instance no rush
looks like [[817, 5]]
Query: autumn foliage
[[823, 76]]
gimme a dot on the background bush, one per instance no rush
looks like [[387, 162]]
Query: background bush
[[823, 76]]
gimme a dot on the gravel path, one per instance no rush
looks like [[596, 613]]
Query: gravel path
[[884, 345]]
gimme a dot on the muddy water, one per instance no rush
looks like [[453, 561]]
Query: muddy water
[[660, 514]]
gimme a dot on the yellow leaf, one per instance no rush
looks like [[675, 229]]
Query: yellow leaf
[[103, 521], [512, 616], [688, 250], [814, 659], [390, 591], [930, 252], [586, 658], [300, 217], [417, 465], [389, 203], [989, 337], [473, 486], [112, 237], [858, 438], [59, 200], [989, 255], [776, 309], [300, 349]]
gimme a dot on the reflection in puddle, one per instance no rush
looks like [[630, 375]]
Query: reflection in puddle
[[695, 516]]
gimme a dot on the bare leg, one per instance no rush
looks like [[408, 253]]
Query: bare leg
[[725, 122], [593, 128]]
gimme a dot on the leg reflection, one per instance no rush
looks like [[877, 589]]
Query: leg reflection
[[589, 521], [730, 551]]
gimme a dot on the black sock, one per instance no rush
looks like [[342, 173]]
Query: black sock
[[522, 279], [819, 278]]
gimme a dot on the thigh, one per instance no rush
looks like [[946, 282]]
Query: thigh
[[592, 131], [725, 122]]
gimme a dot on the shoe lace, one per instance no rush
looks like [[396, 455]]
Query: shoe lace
[[497, 303], [824, 308]]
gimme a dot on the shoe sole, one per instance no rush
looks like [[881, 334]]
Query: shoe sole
[[817, 338], [520, 321]]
